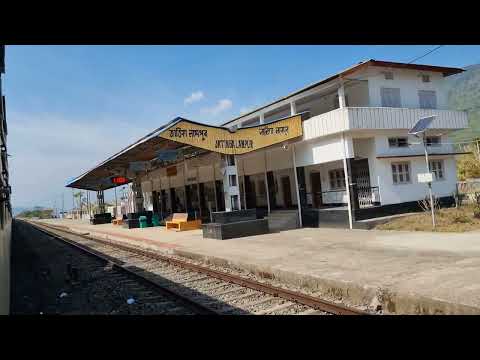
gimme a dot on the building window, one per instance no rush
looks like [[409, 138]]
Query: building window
[[390, 97], [232, 179], [401, 173], [398, 142], [388, 75], [337, 179], [436, 168], [433, 140], [427, 99], [426, 78]]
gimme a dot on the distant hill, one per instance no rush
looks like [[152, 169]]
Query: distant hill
[[464, 94], [18, 209], [36, 212]]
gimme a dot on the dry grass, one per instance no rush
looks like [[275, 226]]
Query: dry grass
[[447, 220]]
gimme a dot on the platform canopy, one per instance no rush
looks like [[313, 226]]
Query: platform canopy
[[180, 139]]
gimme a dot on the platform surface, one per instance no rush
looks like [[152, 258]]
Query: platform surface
[[442, 267]]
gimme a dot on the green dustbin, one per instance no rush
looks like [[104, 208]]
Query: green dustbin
[[143, 221], [155, 220]]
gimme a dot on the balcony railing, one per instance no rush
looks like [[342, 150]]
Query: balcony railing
[[351, 118]]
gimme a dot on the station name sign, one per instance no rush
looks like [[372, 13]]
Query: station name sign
[[222, 140]]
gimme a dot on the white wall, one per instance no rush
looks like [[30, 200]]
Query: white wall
[[278, 159], [357, 93], [325, 182], [322, 150], [365, 148], [416, 147], [409, 83], [278, 174], [391, 193]]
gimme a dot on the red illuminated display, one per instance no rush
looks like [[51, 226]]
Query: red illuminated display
[[119, 180]]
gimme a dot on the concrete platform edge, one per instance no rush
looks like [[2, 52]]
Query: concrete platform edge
[[392, 302]]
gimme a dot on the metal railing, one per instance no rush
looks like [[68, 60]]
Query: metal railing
[[367, 196], [468, 191]]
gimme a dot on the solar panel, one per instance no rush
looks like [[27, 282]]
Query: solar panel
[[421, 125]]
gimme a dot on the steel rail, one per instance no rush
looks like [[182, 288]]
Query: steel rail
[[286, 294], [187, 302]]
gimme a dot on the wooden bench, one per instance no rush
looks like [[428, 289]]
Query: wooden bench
[[180, 222], [117, 221]]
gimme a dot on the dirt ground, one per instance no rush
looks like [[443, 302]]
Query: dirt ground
[[459, 219]]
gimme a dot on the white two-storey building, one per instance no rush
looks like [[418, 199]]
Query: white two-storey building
[[349, 159]]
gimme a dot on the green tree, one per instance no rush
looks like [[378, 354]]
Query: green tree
[[468, 165], [79, 199]]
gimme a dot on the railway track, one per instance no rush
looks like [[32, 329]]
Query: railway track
[[202, 289], [82, 281]]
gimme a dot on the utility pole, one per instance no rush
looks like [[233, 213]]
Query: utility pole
[[63, 206], [429, 183], [421, 128]]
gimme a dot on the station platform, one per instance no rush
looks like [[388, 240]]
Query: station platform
[[406, 272]]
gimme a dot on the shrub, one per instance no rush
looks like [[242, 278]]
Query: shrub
[[461, 218], [476, 212], [425, 204]]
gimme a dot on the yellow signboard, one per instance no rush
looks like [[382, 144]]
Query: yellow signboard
[[241, 141]]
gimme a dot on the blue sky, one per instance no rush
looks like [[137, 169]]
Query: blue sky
[[70, 107]]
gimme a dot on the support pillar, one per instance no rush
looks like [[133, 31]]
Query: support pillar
[[198, 194], [88, 204], [138, 195], [231, 191], [266, 182], [296, 187], [101, 201], [341, 97], [347, 182], [169, 194], [293, 108], [262, 119], [215, 188], [244, 184], [116, 204]]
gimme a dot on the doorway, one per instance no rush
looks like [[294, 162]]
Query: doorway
[[163, 202], [316, 183], [271, 190], [220, 195], [155, 203], [287, 192], [173, 200], [250, 194]]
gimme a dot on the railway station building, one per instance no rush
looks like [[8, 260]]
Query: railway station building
[[331, 154]]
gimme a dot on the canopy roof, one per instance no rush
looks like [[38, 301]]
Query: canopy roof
[[188, 139], [145, 149]]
